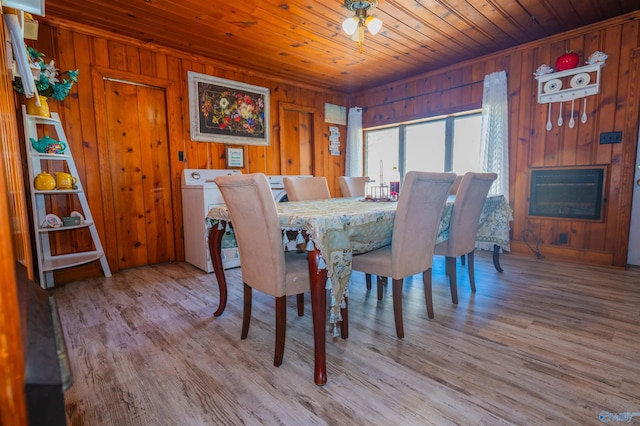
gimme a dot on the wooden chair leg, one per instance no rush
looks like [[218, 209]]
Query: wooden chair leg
[[450, 266], [428, 297], [281, 326], [367, 278], [472, 278], [397, 307], [246, 313], [379, 283], [300, 302]]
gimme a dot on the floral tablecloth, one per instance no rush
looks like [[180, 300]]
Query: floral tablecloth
[[493, 226], [340, 227]]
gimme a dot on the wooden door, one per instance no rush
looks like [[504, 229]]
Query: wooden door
[[296, 139], [140, 181]]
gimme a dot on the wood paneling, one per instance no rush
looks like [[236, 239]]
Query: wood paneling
[[450, 90], [11, 147], [459, 88], [100, 55], [302, 40], [14, 244]]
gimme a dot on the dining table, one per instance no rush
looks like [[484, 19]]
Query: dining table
[[336, 229]]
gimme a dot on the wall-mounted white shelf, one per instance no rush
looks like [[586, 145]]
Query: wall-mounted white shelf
[[571, 88]]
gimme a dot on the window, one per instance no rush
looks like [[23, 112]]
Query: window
[[442, 144]]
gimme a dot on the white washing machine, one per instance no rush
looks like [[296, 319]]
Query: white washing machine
[[199, 194]]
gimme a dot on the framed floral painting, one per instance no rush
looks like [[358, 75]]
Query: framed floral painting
[[228, 111]]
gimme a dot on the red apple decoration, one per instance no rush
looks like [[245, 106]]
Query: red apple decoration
[[567, 61]]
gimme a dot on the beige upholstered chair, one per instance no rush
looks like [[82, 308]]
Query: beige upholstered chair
[[352, 186], [413, 240], [463, 227], [265, 265], [456, 185], [306, 188], [355, 187]]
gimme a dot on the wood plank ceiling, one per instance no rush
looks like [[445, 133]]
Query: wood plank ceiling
[[302, 40]]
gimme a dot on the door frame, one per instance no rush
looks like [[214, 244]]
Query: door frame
[[284, 106], [629, 150], [98, 75], [633, 254]]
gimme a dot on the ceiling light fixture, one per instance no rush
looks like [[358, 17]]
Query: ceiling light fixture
[[354, 25]]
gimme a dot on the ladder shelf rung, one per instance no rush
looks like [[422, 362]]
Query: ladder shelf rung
[[85, 224], [46, 156], [57, 191], [43, 120], [52, 263]]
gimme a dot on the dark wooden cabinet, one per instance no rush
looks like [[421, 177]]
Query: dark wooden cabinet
[[47, 372]]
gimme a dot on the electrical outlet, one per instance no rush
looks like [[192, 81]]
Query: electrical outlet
[[610, 137]]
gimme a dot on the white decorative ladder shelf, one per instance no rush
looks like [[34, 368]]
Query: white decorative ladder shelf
[[47, 263]]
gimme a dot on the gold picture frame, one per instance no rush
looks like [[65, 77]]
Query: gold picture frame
[[235, 157]]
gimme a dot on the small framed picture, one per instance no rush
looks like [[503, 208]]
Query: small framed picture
[[235, 157]]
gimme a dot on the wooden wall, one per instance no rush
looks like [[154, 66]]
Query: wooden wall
[[98, 55], [451, 89], [459, 88], [14, 244]]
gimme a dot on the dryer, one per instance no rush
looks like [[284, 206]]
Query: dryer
[[277, 186], [276, 183], [199, 194]]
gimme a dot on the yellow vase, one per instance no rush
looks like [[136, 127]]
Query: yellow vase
[[42, 110]]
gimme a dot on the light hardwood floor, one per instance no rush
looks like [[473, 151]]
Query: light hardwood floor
[[542, 343]]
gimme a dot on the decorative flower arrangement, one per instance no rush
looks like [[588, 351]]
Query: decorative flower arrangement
[[233, 112], [596, 58], [48, 84], [543, 70]]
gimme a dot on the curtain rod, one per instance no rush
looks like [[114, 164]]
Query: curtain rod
[[423, 94]]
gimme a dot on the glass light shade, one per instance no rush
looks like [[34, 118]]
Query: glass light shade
[[358, 34], [350, 25], [373, 24]]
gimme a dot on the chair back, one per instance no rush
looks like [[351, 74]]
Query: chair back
[[418, 215], [306, 188], [352, 186], [456, 185], [254, 217], [467, 208]]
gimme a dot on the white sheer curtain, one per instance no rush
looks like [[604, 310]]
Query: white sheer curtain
[[21, 55], [353, 156], [494, 142]]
